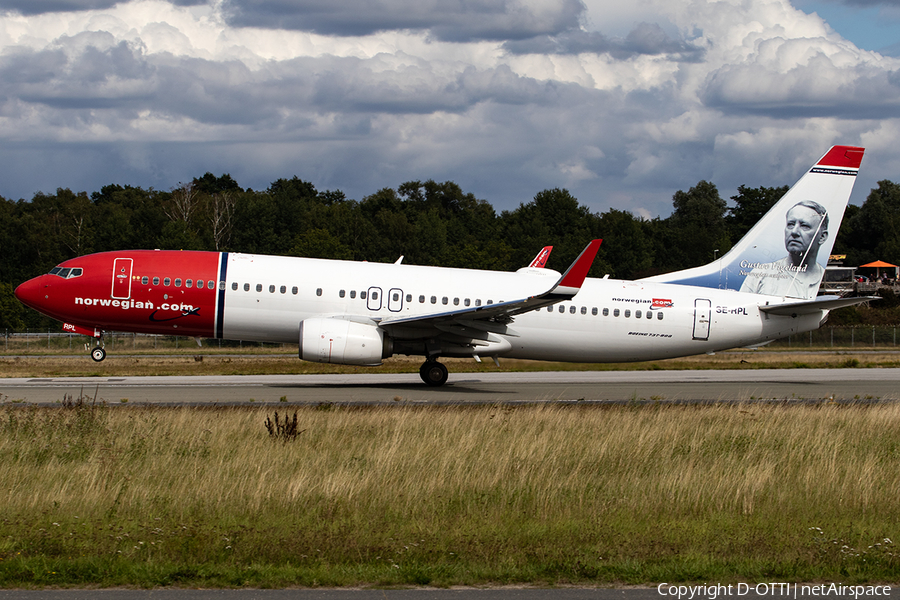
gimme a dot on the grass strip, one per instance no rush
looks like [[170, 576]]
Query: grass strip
[[448, 496]]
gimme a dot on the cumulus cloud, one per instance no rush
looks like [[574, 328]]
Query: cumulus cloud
[[37, 7], [505, 97], [646, 38], [448, 21]]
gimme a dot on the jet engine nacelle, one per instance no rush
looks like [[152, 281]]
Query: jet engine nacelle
[[344, 342]]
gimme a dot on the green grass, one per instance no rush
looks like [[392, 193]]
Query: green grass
[[445, 496]]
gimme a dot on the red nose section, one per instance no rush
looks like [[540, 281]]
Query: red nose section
[[32, 293]]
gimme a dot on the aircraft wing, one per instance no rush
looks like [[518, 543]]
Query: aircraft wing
[[793, 309], [494, 317]]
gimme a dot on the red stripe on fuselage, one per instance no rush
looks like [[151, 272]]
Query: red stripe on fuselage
[[160, 308]]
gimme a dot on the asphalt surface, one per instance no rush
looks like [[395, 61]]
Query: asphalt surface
[[792, 385], [753, 591]]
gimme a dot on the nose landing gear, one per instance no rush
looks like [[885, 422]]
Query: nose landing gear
[[433, 373], [98, 352]]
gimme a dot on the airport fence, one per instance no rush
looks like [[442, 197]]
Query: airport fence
[[860, 336], [49, 341], [43, 342]]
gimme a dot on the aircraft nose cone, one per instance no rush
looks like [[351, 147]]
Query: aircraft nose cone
[[31, 293]]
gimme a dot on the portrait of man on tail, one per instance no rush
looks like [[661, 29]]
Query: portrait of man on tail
[[797, 275]]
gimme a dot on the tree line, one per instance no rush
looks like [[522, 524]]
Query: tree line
[[429, 223]]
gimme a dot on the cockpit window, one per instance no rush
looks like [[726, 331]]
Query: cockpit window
[[66, 273]]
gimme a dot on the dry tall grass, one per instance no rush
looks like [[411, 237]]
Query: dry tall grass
[[579, 489]]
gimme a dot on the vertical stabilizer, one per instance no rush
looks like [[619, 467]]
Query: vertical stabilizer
[[785, 253]]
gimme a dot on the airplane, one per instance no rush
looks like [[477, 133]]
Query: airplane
[[359, 313]]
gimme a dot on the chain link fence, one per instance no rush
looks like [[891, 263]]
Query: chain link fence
[[35, 342], [861, 337]]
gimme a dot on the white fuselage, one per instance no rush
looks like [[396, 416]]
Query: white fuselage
[[608, 320]]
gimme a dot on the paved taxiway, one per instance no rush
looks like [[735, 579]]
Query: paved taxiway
[[464, 388]]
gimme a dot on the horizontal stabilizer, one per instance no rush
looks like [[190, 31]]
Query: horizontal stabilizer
[[794, 309]]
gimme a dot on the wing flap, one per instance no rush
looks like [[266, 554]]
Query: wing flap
[[493, 318]]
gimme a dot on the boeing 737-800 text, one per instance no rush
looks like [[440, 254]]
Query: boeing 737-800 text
[[359, 313]]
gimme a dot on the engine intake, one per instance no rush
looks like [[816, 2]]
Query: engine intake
[[343, 342]]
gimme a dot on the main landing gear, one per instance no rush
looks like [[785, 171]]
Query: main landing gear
[[433, 373]]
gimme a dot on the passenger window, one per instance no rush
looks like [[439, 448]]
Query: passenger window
[[352, 294], [434, 299], [294, 290], [271, 289], [549, 309], [145, 280], [562, 309], [659, 315], [490, 301], [605, 312], [156, 281], [445, 300], [167, 281], [627, 313], [467, 302], [477, 302], [362, 295], [572, 310], [318, 291], [234, 286], [615, 312], [342, 293], [456, 302], [188, 283], [177, 282], [584, 310], [200, 284], [649, 315], [283, 289], [422, 299], [637, 314], [258, 287], [409, 297], [396, 296], [594, 311], [246, 287]]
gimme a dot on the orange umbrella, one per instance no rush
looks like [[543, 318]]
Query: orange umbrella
[[879, 264]]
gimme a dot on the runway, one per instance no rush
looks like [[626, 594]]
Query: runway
[[839, 385]]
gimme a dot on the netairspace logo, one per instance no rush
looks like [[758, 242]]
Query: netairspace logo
[[789, 590]]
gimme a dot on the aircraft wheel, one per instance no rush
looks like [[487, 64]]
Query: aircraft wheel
[[433, 373], [98, 354]]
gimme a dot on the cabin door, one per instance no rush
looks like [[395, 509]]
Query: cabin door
[[702, 317], [121, 278]]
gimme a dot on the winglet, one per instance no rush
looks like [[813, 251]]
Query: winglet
[[540, 261], [571, 281]]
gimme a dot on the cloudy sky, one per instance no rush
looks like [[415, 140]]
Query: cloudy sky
[[621, 102]]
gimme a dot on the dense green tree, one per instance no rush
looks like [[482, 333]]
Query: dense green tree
[[553, 218], [697, 228], [875, 228], [750, 204], [627, 251]]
